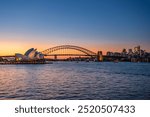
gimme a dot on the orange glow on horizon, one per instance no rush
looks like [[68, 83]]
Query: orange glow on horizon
[[12, 48], [19, 44]]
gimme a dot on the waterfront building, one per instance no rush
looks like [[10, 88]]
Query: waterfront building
[[137, 50], [117, 54], [1, 59], [30, 55], [109, 53], [130, 52], [124, 51]]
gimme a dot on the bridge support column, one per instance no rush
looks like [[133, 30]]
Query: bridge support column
[[99, 56], [55, 57]]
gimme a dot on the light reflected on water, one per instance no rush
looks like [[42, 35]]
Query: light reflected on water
[[71, 80]]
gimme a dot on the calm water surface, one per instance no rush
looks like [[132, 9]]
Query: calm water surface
[[71, 80]]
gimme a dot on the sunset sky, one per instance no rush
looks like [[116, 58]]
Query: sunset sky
[[93, 24]]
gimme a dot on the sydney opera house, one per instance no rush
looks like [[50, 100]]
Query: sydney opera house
[[30, 55]]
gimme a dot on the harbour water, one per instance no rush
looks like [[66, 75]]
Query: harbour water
[[72, 80]]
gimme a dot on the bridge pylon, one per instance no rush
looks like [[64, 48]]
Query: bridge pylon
[[55, 57], [99, 56]]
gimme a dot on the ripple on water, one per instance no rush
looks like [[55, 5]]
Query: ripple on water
[[70, 80]]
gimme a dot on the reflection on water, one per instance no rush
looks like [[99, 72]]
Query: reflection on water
[[71, 80]]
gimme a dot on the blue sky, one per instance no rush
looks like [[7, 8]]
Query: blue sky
[[93, 23]]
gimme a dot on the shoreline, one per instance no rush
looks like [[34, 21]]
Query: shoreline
[[29, 62], [51, 62]]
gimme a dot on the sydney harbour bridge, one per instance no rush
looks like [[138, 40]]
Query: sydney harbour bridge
[[63, 50], [68, 51]]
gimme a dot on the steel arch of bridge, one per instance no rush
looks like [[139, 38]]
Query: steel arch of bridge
[[81, 49]]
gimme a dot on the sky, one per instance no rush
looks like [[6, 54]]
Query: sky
[[107, 25]]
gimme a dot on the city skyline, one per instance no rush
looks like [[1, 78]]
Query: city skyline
[[97, 25]]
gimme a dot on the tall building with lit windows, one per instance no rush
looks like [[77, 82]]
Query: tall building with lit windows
[[137, 50]]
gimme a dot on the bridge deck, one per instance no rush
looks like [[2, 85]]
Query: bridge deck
[[68, 55]]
